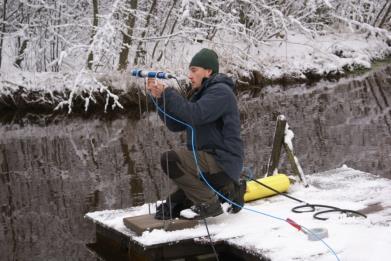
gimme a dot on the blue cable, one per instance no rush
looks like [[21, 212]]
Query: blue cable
[[221, 195], [249, 171]]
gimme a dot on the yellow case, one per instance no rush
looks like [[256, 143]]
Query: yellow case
[[279, 182]]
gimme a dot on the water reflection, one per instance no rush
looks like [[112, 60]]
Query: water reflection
[[348, 122], [52, 174]]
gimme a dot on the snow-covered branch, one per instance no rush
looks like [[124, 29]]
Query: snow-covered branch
[[75, 37]]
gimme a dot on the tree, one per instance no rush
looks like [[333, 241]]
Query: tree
[[2, 33], [140, 51], [127, 37], [90, 58]]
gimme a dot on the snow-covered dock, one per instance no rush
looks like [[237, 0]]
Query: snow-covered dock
[[256, 234]]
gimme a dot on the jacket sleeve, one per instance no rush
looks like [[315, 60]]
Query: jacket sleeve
[[211, 106], [171, 124]]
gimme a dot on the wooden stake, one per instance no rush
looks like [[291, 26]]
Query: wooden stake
[[277, 144], [296, 168]]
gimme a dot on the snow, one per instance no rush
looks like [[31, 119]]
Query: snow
[[288, 136], [294, 40], [352, 238], [292, 57], [300, 169], [188, 213], [324, 54], [113, 219]]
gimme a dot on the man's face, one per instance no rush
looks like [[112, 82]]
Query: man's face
[[196, 74]]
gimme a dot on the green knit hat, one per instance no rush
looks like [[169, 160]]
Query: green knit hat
[[207, 59]]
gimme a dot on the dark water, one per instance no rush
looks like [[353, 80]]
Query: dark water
[[347, 122], [52, 174]]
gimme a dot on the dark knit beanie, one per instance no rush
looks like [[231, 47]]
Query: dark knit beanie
[[207, 59]]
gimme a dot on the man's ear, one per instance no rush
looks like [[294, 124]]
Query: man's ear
[[210, 71]]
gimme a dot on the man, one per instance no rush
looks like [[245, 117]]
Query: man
[[213, 113]]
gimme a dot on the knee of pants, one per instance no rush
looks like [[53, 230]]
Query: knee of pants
[[218, 180], [169, 161]]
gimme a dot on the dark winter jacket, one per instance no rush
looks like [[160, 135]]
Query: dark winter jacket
[[214, 114]]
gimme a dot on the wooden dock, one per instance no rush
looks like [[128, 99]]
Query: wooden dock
[[122, 244], [249, 236]]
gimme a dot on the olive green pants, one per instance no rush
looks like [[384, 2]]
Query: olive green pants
[[180, 166]]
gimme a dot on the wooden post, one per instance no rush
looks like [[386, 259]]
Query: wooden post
[[297, 170], [274, 160], [280, 135], [288, 145]]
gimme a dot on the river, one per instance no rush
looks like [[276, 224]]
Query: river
[[53, 171]]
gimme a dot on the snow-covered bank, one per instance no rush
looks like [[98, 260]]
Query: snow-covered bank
[[352, 238], [296, 58], [48, 92], [303, 58]]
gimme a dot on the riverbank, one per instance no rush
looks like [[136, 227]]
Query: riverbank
[[295, 59], [299, 59]]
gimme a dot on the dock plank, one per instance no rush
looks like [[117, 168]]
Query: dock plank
[[142, 223]]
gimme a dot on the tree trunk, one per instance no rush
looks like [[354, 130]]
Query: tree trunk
[[385, 16], [127, 38], [140, 52], [3, 30], [164, 28], [90, 58], [379, 14], [165, 45], [20, 57], [57, 43]]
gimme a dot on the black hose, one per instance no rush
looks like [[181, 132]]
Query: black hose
[[211, 242], [311, 207]]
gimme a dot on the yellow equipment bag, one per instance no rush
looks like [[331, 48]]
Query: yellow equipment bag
[[279, 182]]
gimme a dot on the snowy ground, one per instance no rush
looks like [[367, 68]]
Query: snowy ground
[[294, 57], [352, 238], [328, 54]]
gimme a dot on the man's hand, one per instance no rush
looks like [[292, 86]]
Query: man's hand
[[156, 87]]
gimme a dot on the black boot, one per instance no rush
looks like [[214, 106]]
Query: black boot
[[234, 192], [238, 197], [179, 201], [203, 210], [163, 210]]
